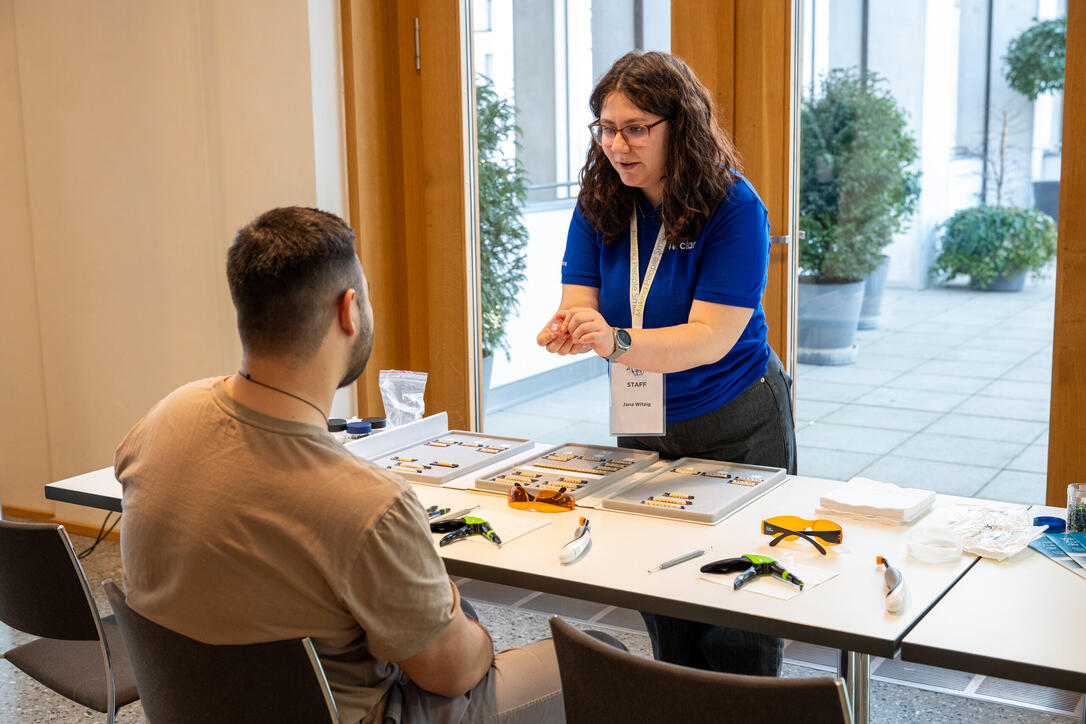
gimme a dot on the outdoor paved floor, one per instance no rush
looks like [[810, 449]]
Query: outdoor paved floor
[[950, 393]]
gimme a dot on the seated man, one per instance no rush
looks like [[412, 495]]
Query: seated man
[[245, 521]]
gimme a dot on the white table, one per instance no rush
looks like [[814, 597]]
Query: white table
[[1022, 619], [846, 612]]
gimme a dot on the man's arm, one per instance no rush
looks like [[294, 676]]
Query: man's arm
[[455, 662]]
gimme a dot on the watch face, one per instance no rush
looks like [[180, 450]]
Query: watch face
[[623, 337]]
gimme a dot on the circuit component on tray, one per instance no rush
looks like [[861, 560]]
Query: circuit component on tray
[[676, 501], [658, 504], [444, 464], [679, 495]]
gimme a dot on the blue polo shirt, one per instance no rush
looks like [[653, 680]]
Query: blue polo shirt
[[726, 264]]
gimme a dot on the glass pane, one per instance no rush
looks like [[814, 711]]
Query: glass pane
[[537, 62], [916, 179]]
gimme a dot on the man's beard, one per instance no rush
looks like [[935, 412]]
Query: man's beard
[[360, 354]]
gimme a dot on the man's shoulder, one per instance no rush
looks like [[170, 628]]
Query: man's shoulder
[[348, 484], [349, 470], [195, 392]]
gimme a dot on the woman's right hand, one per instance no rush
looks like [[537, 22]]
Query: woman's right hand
[[555, 337]]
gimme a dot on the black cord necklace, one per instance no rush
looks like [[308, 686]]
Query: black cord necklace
[[284, 392]]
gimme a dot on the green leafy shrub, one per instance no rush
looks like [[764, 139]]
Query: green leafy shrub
[[1035, 59], [503, 237], [987, 241], [857, 187]]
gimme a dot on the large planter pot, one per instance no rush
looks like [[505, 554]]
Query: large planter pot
[[1046, 197], [874, 285], [1005, 282], [828, 315]]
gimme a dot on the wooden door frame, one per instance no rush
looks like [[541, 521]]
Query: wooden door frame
[[408, 195], [1067, 414], [746, 52]]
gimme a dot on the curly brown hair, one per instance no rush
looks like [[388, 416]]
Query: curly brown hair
[[702, 161]]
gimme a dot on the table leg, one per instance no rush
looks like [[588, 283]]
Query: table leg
[[854, 668]]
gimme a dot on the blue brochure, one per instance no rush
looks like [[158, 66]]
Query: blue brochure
[[1067, 549]]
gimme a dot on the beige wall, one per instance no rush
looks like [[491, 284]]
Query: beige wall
[[136, 138]]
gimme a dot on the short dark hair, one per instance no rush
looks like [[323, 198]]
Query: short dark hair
[[701, 158], [286, 270]]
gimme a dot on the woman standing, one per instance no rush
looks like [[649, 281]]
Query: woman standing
[[680, 295]]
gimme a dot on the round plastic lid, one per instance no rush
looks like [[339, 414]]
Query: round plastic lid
[[377, 422], [1055, 525], [934, 544], [358, 427], [336, 424]]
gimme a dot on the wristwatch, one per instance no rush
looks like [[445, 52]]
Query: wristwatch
[[622, 343]]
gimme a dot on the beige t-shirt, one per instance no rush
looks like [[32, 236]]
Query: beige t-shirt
[[242, 528]]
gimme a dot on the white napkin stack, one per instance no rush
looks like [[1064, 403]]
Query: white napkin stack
[[881, 502]]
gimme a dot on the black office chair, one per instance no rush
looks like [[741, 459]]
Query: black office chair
[[602, 684], [44, 592], [185, 680]]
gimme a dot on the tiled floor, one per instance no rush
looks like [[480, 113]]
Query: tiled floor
[[900, 693], [950, 393]]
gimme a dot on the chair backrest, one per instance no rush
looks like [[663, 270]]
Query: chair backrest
[[602, 684], [43, 591], [184, 680]]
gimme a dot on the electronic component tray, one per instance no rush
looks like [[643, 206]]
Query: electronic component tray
[[697, 490], [580, 469], [440, 458]]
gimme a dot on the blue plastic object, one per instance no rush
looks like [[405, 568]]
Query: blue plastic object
[[359, 427], [1055, 525]]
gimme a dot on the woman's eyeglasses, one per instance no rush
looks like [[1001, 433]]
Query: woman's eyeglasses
[[545, 501], [790, 527], [635, 135]]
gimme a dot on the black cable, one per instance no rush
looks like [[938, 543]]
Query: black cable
[[102, 533]]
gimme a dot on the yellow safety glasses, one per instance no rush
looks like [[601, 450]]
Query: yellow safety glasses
[[790, 527]]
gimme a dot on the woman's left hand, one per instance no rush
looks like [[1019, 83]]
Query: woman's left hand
[[587, 327]]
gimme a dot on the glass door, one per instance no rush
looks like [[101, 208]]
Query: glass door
[[536, 62], [928, 190]]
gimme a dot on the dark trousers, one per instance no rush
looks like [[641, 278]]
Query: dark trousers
[[755, 428]]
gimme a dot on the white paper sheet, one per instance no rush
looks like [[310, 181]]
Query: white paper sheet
[[774, 587]]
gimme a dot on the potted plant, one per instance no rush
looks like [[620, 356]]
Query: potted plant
[[1035, 59], [996, 246], [503, 238], [857, 189], [1034, 65]]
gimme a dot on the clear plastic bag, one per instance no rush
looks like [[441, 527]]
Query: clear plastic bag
[[993, 530], [402, 393]]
